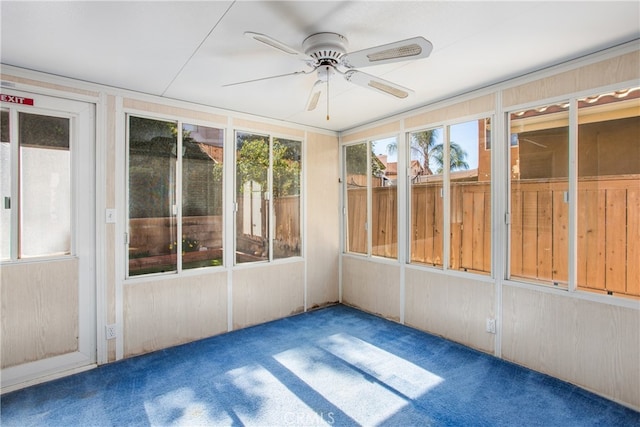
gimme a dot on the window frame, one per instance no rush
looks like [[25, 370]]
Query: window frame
[[49, 107], [179, 121], [573, 189], [270, 136], [369, 142]]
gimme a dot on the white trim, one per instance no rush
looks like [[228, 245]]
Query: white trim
[[101, 232], [17, 377], [229, 214], [83, 229], [120, 145]]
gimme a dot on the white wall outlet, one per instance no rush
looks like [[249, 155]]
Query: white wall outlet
[[111, 331], [491, 325]]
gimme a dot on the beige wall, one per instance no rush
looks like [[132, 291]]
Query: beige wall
[[267, 292], [39, 311], [593, 345], [371, 286], [322, 219], [164, 313], [455, 308]]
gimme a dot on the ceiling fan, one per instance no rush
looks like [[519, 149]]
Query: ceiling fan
[[326, 54]]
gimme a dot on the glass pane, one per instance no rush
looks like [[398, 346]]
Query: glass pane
[[202, 176], [5, 187], [5, 128], [153, 239], [609, 193], [426, 165], [384, 198], [539, 194], [470, 176], [287, 168], [252, 197], [45, 185], [356, 184]]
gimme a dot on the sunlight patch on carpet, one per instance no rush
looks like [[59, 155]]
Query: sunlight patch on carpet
[[405, 377], [365, 401], [270, 402], [182, 408]]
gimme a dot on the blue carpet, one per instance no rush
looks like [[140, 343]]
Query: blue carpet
[[333, 366]]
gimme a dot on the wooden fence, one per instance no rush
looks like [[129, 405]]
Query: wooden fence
[[608, 237]]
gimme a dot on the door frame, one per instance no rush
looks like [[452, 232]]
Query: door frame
[[82, 113]]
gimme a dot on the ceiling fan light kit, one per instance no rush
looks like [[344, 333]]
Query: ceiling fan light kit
[[326, 54]]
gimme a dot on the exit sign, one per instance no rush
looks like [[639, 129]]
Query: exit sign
[[16, 99]]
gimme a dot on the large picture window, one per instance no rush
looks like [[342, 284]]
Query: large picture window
[[175, 219], [268, 182], [539, 194], [608, 223]]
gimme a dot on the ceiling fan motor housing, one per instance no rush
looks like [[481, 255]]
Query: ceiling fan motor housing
[[326, 48]]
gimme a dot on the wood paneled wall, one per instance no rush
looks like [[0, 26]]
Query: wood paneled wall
[[590, 344], [166, 313], [39, 310]]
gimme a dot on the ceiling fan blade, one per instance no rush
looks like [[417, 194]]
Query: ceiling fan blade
[[270, 41], [314, 96], [376, 83], [404, 50], [268, 78]]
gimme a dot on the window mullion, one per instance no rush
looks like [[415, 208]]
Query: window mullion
[[269, 195], [369, 201], [573, 195], [15, 184], [178, 197], [446, 203]]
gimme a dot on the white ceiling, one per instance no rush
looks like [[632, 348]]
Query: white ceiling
[[189, 50]]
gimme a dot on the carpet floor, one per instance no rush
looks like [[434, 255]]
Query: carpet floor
[[333, 366]]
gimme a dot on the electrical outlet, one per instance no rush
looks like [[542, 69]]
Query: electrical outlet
[[491, 325], [111, 331]]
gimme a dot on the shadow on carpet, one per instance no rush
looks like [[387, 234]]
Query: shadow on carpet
[[334, 366]]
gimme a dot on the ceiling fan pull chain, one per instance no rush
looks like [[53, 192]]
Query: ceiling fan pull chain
[[328, 93]]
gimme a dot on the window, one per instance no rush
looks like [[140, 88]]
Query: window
[[287, 168], [202, 196], [356, 173], [165, 204], [36, 185], [426, 151], [371, 173], [608, 225], [470, 196], [268, 178], [539, 195]]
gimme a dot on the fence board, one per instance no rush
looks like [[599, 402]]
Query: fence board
[[467, 231], [438, 223], [560, 231], [478, 231], [418, 226], [591, 242], [616, 240], [530, 234], [487, 230], [633, 241], [516, 232]]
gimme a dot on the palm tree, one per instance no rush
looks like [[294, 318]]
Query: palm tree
[[425, 147]]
